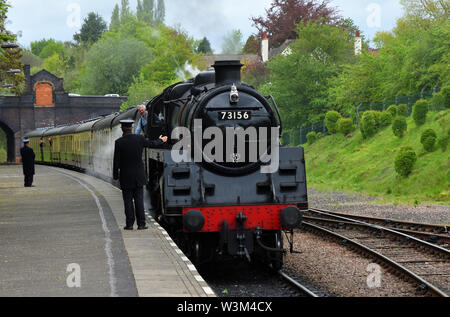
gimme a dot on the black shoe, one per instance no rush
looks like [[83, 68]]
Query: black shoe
[[143, 227], [128, 228], [152, 213]]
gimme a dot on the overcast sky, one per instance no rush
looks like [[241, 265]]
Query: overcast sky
[[58, 19]]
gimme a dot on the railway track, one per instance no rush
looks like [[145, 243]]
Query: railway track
[[425, 265], [436, 234], [300, 287]]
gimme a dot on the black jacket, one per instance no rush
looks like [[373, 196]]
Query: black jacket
[[128, 165], [27, 160]]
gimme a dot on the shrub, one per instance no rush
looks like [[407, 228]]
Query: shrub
[[445, 91], [319, 135], [331, 120], [392, 110], [386, 119], [443, 143], [311, 137], [369, 124], [399, 126], [438, 101], [402, 110], [405, 160], [443, 120], [428, 140], [346, 126], [420, 111]]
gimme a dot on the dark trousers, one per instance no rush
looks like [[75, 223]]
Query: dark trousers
[[134, 206], [28, 180]]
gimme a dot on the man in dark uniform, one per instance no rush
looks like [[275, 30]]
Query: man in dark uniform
[[129, 171], [28, 157]]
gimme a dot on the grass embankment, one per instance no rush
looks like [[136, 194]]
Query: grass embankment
[[3, 156], [367, 166]]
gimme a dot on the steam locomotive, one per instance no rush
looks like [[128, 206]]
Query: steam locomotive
[[208, 186]]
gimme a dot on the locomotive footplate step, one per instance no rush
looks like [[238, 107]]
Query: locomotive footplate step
[[64, 237]]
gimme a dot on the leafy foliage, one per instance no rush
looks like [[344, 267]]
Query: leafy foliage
[[311, 137], [393, 110], [399, 126], [420, 111], [331, 121], [204, 47], [284, 15], [428, 140], [300, 81], [402, 110], [110, 66], [91, 30], [405, 160], [369, 124], [385, 119], [346, 126], [9, 58]]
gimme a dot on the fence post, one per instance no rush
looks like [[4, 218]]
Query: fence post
[[301, 136], [357, 114]]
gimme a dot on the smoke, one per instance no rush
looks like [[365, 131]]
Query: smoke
[[187, 71], [103, 152], [214, 19]]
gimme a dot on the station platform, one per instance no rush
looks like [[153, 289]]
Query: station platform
[[64, 238]]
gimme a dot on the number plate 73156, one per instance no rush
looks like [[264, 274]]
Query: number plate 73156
[[235, 115]]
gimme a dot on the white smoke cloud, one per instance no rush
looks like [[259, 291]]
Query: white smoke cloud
[[187, 71]]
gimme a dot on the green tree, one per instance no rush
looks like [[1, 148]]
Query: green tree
[[148, 14], [91, 30], [399, 126], [428, 140], [160, 13], [204, 46], [233, 43], [115, 19], [420, 111], [252, 46], [331, 121], [55, 64], [111, 64], [125, 12], [405, 160], [300, 81], [9, 58]]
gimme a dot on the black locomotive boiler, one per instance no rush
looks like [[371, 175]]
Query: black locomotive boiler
[[224, 204]]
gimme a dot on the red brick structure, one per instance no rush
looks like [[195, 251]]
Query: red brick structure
[[45, 104]]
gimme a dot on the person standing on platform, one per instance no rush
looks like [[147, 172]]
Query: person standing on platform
[[28, 157], [129, 171]]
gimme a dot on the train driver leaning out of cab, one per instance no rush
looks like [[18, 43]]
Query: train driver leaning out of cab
[[142, 124], [130, 173]]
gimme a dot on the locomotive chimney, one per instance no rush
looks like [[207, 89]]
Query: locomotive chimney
[[228, 72]]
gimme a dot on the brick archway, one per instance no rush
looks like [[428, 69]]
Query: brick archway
[[10, 142]]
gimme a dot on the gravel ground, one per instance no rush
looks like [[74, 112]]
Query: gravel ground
[[239, 279], [365, 206], [337, 270]]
